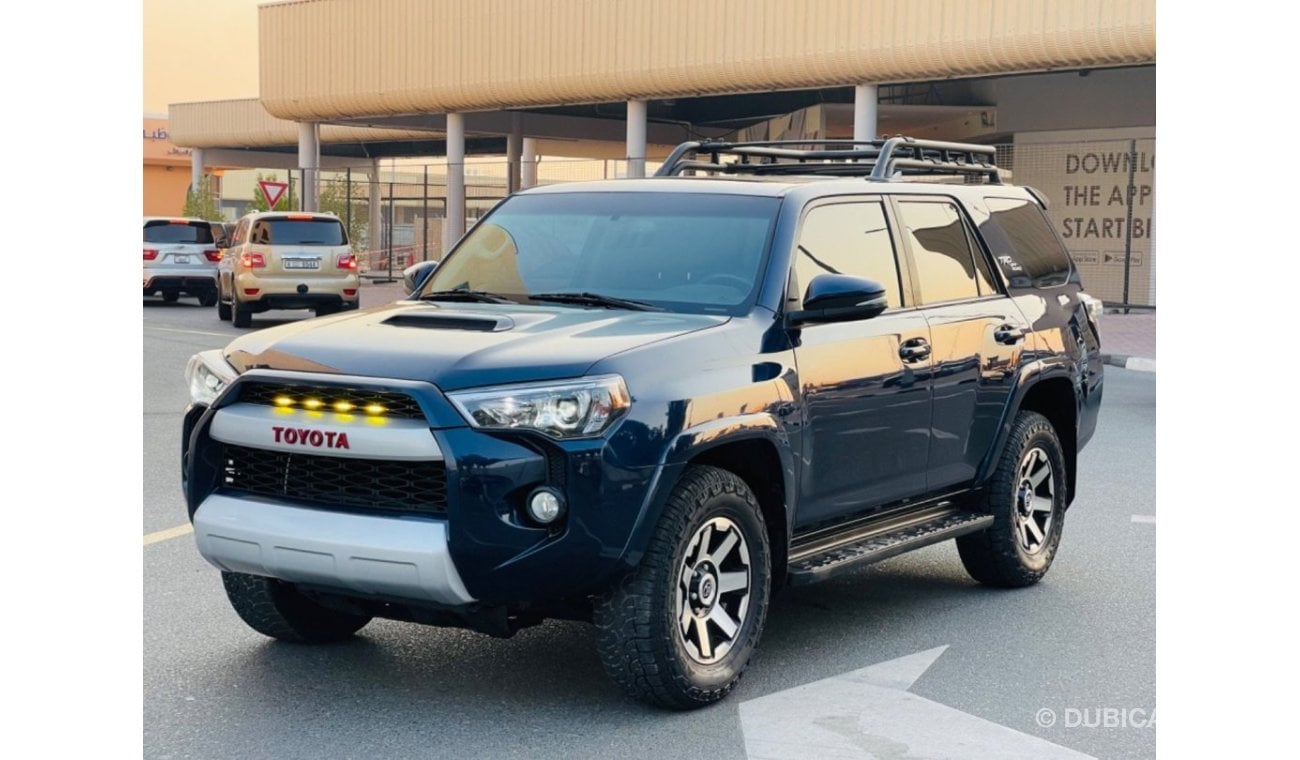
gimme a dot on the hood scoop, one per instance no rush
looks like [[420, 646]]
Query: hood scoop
[[444, 321]]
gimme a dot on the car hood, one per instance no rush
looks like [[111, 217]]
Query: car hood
[[460, 345]]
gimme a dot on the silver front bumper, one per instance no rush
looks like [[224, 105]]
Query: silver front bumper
[[362, 554]]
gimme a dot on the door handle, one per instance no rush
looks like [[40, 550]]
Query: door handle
[[1009, 334], [914, 350]]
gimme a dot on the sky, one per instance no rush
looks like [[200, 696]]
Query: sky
[[198, 50]]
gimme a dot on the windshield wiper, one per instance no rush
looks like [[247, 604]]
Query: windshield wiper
[[477, 296], [594, 299]]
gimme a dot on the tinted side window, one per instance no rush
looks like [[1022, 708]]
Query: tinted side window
[[848, 238], [1024, 244], [945, 264]]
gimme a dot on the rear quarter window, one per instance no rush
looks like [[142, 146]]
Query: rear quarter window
[[1023, 243]]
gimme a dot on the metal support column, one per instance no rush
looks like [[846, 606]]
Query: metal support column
[[636, 119], [528, 163], [424, 215], [196, 169], [454, 226], [375, 235], [309, 164], [865, 112], [513, 149]]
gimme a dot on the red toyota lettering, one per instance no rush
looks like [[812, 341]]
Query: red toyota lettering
[[328, 439]]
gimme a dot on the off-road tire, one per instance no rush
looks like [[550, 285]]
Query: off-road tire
[[275, 609], [995, 556], [639, 641]]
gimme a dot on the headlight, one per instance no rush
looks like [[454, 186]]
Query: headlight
[[574, 409], [208, 374]]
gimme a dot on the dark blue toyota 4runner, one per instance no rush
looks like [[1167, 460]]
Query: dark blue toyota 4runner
[[650, 404]]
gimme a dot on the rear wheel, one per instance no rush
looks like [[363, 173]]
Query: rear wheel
[[223, 308], [208, 298], [241, 314], [1026, 497], [171, 296], [679, 630], [325, 311], [274, 608]]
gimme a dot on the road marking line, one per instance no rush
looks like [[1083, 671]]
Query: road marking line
[[1150, 519], [189, 332], [163, 535], [870, 713]]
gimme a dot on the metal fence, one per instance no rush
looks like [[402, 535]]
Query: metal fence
[[396, 218], [1102, 199]]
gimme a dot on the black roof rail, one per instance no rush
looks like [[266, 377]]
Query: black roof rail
[[878, 160]]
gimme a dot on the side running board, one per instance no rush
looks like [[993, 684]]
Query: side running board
[[878, 540]]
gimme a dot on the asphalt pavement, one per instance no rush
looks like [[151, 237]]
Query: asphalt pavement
[[1069, 662]]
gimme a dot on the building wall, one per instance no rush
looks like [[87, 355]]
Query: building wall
[[164, 189], [166, 170], [1104, 99]]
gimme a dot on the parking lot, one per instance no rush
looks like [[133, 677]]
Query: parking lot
[[1062, 669]]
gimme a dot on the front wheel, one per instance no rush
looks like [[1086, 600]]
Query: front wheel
[[1026, 497], [679, 630], [274, 608]]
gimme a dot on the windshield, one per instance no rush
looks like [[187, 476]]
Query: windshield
[[690, 252], [165, 231]]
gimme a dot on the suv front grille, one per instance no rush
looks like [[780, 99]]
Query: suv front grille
[[361, 483], [394, 404]]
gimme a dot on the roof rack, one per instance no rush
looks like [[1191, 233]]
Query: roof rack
[[877, 160]]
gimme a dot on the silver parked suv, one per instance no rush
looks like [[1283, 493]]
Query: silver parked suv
[[287, 260], [180, 256]]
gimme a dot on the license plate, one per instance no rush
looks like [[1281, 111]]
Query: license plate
[[302, 263], [180, 258]]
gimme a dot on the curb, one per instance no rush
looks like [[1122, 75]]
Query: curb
[[1138, 363]]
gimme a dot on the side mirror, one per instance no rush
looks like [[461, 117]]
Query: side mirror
[[839, 298], [414, 276]]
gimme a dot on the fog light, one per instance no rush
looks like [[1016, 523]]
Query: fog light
[[545, 505]]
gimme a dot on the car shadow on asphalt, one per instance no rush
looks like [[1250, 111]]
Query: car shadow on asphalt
[[408, 671]]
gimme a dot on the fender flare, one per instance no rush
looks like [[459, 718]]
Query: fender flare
[[1029, 376]]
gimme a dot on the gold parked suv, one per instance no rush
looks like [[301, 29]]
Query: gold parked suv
[[287, 260]]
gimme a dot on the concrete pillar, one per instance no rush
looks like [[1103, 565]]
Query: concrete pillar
[[865, 112], [454, 226], [196, 168], [513, 149], [376, 234], [309, 164], [528, 167], [636, 138]]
